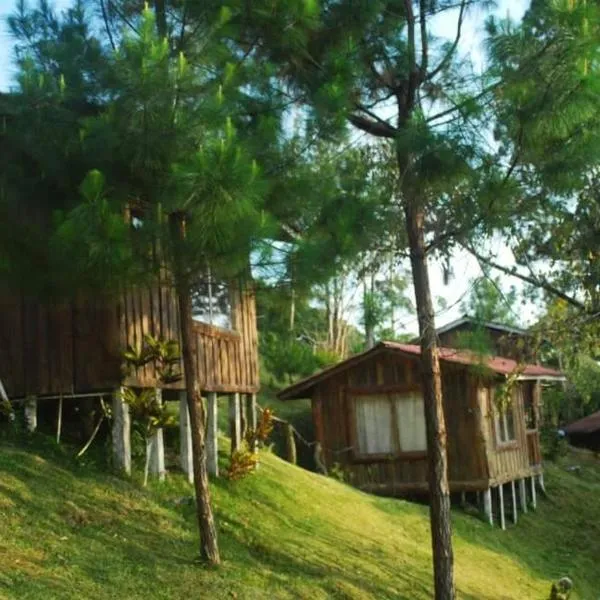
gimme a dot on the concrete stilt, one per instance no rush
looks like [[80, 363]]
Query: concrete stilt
[[121, 433], [30, 406], [533, 496], [157, 448], [235, 427], [463, 499], [252, 412], [501, 501], [515, 512], [244, 425], [523, 495], [59, 419], [212, 449], [541, 483], [186, 453], [487, 506]]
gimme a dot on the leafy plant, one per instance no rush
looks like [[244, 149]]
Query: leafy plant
[[243, 461]]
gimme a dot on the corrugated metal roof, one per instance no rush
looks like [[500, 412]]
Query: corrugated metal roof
[[496, 364], [588, 424]]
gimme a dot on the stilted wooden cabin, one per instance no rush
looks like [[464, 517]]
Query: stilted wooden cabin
[[369, 418], [72, 352]]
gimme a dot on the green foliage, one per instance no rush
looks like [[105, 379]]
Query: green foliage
[[488, 302]]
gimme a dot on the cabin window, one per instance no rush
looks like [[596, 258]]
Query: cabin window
[[529, 404], [211, 301], [410, 417], [390, 424], [505, 424]]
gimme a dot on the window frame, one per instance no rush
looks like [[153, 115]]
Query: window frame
[[500, 421], [352, 394]]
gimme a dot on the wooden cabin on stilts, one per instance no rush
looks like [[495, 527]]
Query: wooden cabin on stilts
[[369, 419], [69, 355]]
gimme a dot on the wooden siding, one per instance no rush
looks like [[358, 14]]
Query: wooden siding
[[389, 372], [511, 460], [226, 360], [75, 347]]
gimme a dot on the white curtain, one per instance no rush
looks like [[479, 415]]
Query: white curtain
[[410, 413], [374, 424]]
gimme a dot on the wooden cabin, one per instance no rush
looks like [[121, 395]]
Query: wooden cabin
[[369, 419], [72, 351]]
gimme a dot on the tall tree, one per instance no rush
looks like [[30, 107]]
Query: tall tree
[[166, 133], [377, 66]]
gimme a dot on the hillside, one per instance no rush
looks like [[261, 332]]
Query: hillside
[[67, 532]]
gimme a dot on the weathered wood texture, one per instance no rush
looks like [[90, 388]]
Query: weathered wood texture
[[474, 460], [54, 348]]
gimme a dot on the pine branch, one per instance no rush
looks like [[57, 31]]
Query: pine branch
[[448, 56]]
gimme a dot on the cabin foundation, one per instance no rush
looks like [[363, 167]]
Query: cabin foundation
[[487, 506], [501, 506], [235, 421], [157, 448], [533, 493], [30, 409], [513, 490], [212, 442], [121, 433], [523, 495]]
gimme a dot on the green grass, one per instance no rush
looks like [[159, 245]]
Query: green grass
[[73, 532]]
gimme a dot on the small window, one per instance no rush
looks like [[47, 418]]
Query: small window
[[504, 423], [390, 424], [211, 301]]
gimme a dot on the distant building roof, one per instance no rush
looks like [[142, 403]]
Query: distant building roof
[[497, 364], [588, 424], [465, 319]]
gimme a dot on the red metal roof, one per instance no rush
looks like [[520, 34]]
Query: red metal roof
[[588, 424], [496, 364]]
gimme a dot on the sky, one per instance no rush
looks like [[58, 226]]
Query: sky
[[463, 265]]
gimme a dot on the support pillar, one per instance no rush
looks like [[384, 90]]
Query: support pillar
[[235, 426], [541, 483], [501, 499], [533, 496], [157, 447], [523, 495], [252, 413], [30, 406], [487, 506], [514, 502], [244, 425], [463, 500], [212, 448], [121, 433], [186, 453]]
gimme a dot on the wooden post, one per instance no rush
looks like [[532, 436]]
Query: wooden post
[[235, 428], [157, 447], [243, 417], [523, 495], [290, 444], [501, 499], [212, 431], [541, 483], [487, 506], [514, 502], [30, 406], [121, 432], [252, 412], [59, 419], [533, 497], [186, 454]]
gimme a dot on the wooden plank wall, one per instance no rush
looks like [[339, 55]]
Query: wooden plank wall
[[507, 462], [61, 347], [226, 360], [332, 412], [48, 349]]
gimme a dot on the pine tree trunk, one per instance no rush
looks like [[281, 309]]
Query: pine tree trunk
[[439, 493], [209, 549]]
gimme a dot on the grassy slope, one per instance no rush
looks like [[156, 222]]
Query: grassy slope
[[284, 532]]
